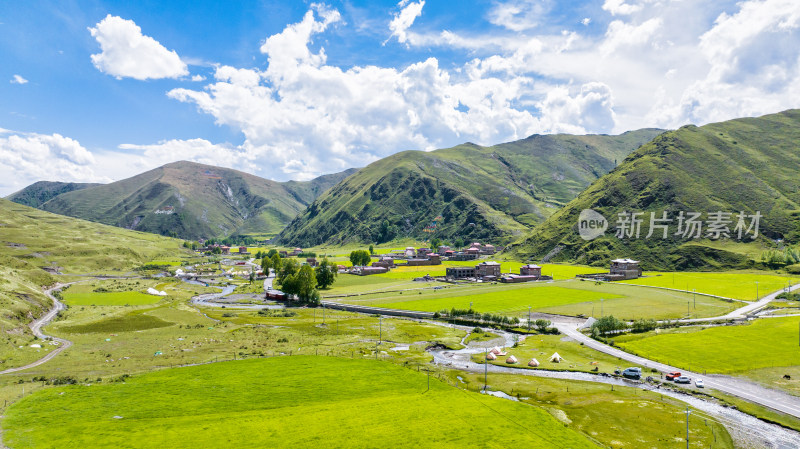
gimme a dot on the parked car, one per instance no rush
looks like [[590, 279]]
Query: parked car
[[632, 373], [673, 375], [683, 380], [699, 383]]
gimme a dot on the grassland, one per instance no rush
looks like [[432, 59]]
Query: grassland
[[763, 350], [745, 285], [330, 401], [569, 297], [605, 414]]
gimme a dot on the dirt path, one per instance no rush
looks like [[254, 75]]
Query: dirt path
[[37, 325]]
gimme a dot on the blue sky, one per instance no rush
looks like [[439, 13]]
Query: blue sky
[[99, 91]]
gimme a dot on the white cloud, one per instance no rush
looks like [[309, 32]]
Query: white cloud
[[620, 8], [403, 20], [197, 78], [16, 79], [126, 52], [28, 157], [519, 15], [620, 34], [586, 21], [196, 150]]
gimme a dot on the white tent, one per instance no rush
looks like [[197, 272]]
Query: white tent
[[496, 350], [152, 291], [534, 363], [511, 360], [556, 358], [491, 356]]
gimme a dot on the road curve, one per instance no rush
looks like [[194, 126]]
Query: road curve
[[36, 327], [749, 391]]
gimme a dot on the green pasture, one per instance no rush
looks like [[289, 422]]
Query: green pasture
[[733, 284], [618, 418], [764, 343], [571, 297], [284, 401]]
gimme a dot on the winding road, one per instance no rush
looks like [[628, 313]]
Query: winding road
[[37, 325]]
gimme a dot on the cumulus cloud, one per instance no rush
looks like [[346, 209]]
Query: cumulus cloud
[[16, 79], [196, 150], [403, 20], [28, 157], [126, 52], [519, 15], [620, 8]]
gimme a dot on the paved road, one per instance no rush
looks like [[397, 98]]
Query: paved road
[[743, 312], [752, 392], [36, 328]]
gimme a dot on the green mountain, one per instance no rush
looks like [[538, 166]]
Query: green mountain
[[469, 191], [31, 239], [746, 165], [41, 192], [191, 201]]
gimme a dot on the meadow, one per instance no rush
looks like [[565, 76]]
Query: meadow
[[744, 285], [567, 297], [764, 343], [617, 418], [283, 401]]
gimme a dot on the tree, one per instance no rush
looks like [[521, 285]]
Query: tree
[[435, 242], [608, 324], [272, 252], [360, 257], [259, 255], [266, 264], [302, 283], [386, 232], [459, 242], [276, 262], [288, 268], [371, 249], [326, 273], [542, 325], [252, 276]]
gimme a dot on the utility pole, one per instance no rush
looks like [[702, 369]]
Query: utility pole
[[380, 329], [323, 312], [687, 427], [694, 297], [688, 309], [756, 290], [486, 369], [601, 307]]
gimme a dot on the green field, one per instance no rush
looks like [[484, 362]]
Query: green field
[[608, 415], [736, 284], [570, 297], [765, 343], [285, 401]]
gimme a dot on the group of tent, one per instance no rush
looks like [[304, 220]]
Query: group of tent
[[492, 355]]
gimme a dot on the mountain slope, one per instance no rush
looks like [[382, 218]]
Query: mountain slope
[[747, 164], [467, 191], [41, 192], [31, 239], [191, 201]]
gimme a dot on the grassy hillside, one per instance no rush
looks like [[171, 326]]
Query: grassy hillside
[[747, 164], [297, 401], [41, 192], [31, 239], [193, 201], [492, 193]]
